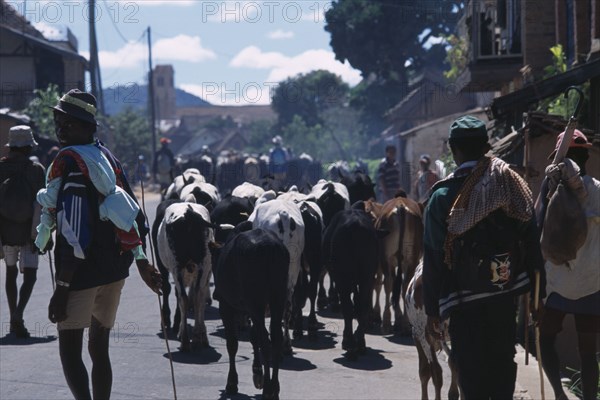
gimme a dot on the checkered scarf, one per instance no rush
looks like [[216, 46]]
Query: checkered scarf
[[491, 185]]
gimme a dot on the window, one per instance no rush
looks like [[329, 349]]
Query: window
[[498, 28]]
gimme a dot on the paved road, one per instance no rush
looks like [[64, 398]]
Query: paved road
[[31, 369]]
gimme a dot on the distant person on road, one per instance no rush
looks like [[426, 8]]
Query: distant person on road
[[426, 178], [573, 288], [388, 175], [278, 158], [20, 180], [164, 162], [99, 230], [481, 250]]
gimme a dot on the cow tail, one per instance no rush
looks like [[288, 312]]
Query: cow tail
[[397, 289]]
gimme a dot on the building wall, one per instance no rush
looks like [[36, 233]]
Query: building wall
[[539, 34], [74, 75], [430, 139], [164, 91], [17, 81], [17, 75], [582, 29]]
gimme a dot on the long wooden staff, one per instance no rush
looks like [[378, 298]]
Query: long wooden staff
[[162, 320], [538, 351]]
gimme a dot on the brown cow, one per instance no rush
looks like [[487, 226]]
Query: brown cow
[[402, 247]]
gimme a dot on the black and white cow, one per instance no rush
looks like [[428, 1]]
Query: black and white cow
[[201, 193], [232, 210], [428, 346], [331, 197], [249, 191], [350, 254], [164, 272], [189, 176], [285, 220], [306, 286], [252, 276], [183, 241], [360, 186]]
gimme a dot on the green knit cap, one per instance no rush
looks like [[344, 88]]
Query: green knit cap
[[468, 127]]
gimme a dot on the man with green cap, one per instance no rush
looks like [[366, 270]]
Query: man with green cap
[[481, 249]]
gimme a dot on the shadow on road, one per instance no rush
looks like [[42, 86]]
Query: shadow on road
[[171, 334], [296, 364], [12, 340], [401, 339], [325, 340], [238, 396], [204, 356], [372, 360], [243, 335], [211, 313]]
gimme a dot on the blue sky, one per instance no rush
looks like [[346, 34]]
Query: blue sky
[[228, 52]]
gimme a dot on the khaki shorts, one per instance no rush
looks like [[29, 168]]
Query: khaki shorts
[[100, 302], [22, 254]]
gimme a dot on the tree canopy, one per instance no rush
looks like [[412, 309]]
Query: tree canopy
[[383, 36], [129, 136], [307, 96], [388, 41]]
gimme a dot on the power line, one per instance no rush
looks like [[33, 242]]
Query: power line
[[114, 23]]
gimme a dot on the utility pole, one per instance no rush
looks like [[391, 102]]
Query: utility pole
[[151, 101], [95, 79]]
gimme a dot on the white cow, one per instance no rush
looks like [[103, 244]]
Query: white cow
[[427, 345], [285, 220], [183, 242], [248, 190]]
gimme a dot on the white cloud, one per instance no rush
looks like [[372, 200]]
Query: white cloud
[[182, 48], [178, 48], [253, 57], [128, 56], [280, 34], [283, 67], [236, 94]]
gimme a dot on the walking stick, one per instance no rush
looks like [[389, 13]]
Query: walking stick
[[162, 321], [537, 333], [563, 147], [526, 323], [51, 270]]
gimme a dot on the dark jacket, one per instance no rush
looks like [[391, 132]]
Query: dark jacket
[[446, 288]]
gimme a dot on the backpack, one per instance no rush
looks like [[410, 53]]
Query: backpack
[[16, 197], [488, 257]]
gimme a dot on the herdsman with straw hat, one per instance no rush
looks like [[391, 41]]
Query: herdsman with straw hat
[[99, 229], [481, 250], [20, 179]]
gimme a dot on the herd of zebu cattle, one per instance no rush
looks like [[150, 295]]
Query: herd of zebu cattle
[[269, 252]]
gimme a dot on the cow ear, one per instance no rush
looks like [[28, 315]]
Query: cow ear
[[381, 233]]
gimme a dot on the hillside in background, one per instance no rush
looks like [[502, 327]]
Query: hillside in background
[[116, 99]]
